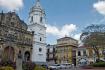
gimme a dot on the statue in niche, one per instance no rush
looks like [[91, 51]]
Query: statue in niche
[[19, 55]]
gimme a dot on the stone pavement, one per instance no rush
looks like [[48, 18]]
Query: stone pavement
[[78, 68], [94, 69]]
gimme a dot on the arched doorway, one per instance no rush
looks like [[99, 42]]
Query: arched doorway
[[9, 53], [27, 56]]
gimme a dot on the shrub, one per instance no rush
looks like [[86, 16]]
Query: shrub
[[28, 66], [32, 66], [6, 68], [99, 64], [39, 68], [8, 63]]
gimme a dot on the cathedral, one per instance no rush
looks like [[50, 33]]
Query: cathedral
[[18, 37], [14, 38], [37, 23]]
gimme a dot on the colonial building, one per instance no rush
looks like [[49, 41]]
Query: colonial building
[[51, 52], [82, 56], [66, 50], [14, 37], [37, 24], [86, 55]]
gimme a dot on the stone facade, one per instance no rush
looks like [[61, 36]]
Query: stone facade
[[66, 50], [14, 37], [82, 56]]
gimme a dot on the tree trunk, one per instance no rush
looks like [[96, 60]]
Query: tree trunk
[[97, 53]]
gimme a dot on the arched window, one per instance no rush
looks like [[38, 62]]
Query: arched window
[[79, 53], [41, 19], [40, 49], [32, 19], [40, 39]]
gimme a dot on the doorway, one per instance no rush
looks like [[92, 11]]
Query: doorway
[[27, 56]]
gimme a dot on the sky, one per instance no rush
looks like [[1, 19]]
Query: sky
[[64, 17]]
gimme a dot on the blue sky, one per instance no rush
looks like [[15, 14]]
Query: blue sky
[[60, 13]]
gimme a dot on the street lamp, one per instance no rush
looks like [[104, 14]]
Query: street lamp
[[94, 56]]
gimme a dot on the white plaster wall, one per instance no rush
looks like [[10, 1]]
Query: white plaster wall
[[39, 56], [39, 32]]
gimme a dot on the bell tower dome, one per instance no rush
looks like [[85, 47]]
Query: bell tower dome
[[37, 14]]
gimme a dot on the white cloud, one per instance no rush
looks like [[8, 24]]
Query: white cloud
[[52, 30], [11, 4], [77, 36], [100, 7], [67, 29]]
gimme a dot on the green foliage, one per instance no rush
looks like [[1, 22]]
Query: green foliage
[[94, 35], [8, 63], [28, 66], [6, 68], [39, 68], [32, 66], [99, 64]]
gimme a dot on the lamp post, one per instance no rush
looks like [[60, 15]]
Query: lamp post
[[94, 56]]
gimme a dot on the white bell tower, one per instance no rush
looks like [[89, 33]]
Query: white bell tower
[[37, 24]]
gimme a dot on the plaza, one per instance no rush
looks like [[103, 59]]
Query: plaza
[[40, 35]]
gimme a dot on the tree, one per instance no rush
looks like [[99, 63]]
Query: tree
[[94, 36]]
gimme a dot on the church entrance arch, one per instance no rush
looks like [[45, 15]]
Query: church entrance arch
[[9, 53], [27, 56]]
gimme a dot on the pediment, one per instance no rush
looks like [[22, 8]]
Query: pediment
[[11, 19]]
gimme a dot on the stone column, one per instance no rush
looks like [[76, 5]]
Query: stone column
[[19, 61]]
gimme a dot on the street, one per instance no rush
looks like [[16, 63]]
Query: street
[[73, 68], [77, 68]]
